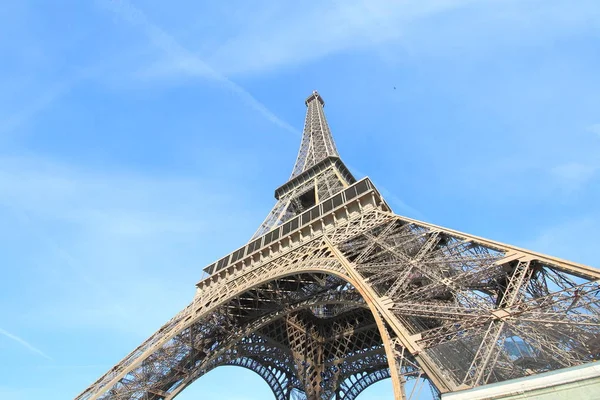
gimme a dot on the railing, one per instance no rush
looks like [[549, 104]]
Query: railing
[[298, 222], [314, 170]]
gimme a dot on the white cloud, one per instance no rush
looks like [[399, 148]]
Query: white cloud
[[573, 175], [573, 239], [111, 202], [24, 343], [112, 250], [396, 203], [175, 59], [184, 61], [292, 35], [594, 129], [44, 97], [21, 393], [41, 102], [303, 34]]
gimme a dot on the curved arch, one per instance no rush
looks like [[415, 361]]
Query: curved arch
[[221, 357], [245, 355], [270, 377], [364, 381], [272, 364], [330, 265], [326, 260], [307, 267], [351, 392], [171, 342], [217, 292]]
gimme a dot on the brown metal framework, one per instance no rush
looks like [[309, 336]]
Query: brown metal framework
[[335, 292]]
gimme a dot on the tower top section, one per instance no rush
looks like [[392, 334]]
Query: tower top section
[[317, 143], [314, 96]]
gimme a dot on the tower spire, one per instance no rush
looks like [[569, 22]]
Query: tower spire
[[317, 142], [318, 174]]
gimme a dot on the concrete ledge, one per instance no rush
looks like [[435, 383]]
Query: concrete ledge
[[581, 383]]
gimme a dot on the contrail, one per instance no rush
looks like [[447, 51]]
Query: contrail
[[24, 343], [69, 260], [193, 64], [42, 102], [188, 60]]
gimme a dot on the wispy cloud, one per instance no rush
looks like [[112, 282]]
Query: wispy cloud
[[40, 102], [570, 239], [181, 61], [184, 61], [106, 241], [24, 343], [297, 35], [70, 261], [45, 95], [21, 393], [400, 205], [73, 366], [115, 202], [595, 128], [305, 34], [573, 175]]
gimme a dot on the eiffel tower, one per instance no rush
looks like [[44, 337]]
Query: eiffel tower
[[335, 292]]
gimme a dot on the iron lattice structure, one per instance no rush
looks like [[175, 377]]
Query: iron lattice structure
[[335, 292]]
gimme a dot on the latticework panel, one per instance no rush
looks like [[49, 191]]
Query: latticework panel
[[460, 311], [317, 142], [479, 311], [323, 185]]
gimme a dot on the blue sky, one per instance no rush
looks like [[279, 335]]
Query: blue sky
[[140, 141]]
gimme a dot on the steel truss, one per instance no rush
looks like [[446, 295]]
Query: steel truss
[[336, 292]]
